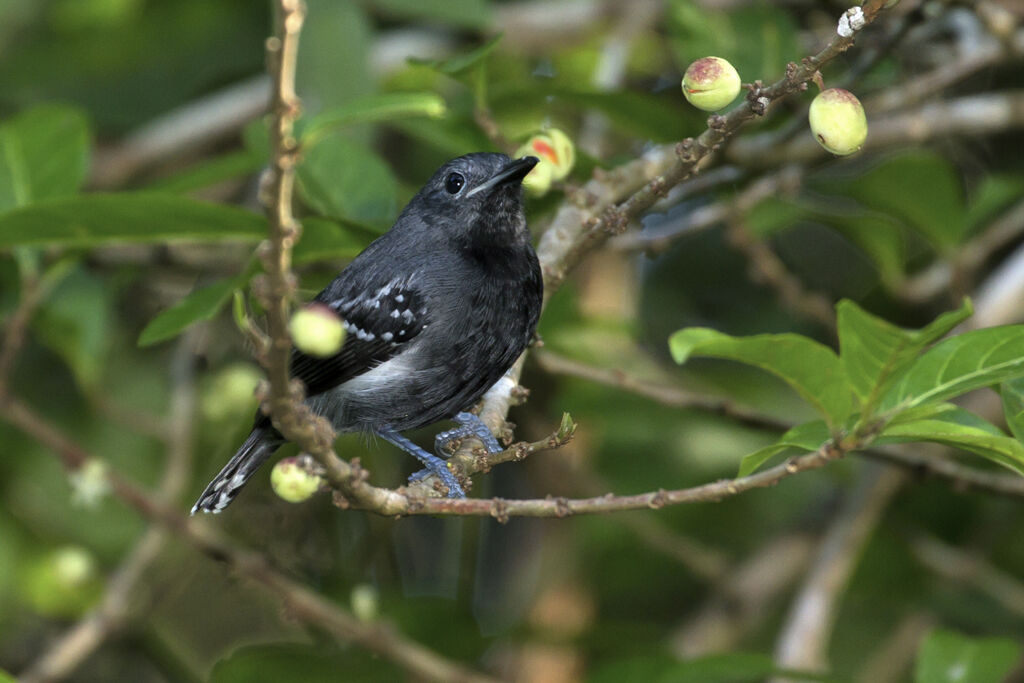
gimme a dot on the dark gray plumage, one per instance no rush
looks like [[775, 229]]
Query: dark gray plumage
[[437, 310]]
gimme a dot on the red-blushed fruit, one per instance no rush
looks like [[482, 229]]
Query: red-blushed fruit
[[711, 83], [557, 156], [838, 122], [317, 330]]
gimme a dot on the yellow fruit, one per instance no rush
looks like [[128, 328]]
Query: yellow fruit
[[293, 482], [317, 330]]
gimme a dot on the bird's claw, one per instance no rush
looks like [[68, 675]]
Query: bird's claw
[[446, 477]]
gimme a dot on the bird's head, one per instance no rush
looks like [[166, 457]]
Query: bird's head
[[476, 197]]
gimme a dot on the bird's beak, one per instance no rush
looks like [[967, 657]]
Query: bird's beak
[[514, 172]]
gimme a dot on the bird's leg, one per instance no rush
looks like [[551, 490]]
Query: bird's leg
[[443, 441], [433, 464]]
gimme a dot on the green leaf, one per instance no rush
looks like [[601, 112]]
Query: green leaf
[[6, 677], [733, 667], [945, 412], [340, 178], [372, 108], [879, 236], [756, 39], [324, 240], [94, 219], [651, 116], [44, 153], [722, 668], [812, 369], [1012, 393], [462, 13], [949, 657], [75, 324], [994, 194], [201, 304], [806, 437], [975, 438], [300, 662], [462, 63], [922, 189], [875, 352], [453, 137], [334, 54], [211, 172], [969, 361]]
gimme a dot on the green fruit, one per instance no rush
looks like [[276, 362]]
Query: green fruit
[[293, 482], [230, 392], [711, 83], [838, 122], [317, 330], [63, 583], [365, 602]]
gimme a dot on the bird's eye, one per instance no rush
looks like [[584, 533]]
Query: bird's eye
[[454, 182]]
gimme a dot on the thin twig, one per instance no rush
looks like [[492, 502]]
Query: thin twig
[[502, 509], [767, 268], [958, 565], [660, 393], [16, 327], [891, 661], [742, 598], [784, 181], [804, 637]]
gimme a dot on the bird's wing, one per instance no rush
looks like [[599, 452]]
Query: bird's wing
[[380, 321]]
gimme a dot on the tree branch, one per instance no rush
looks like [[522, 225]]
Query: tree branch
[[804, 637], [301, 602]]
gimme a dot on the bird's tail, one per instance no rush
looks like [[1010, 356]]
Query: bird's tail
[[219, 493]]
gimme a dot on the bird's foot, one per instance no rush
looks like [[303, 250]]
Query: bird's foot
[[469, 425], [432, 464]]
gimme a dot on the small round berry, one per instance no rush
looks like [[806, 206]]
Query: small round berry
[[838, 122], [63, 583], [230, 392], [317, 330], [711, 83], [294, 482], [365, 602]]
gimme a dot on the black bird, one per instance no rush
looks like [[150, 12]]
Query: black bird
[[437, 310]]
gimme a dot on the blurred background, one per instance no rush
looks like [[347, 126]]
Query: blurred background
[[168, 96]]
